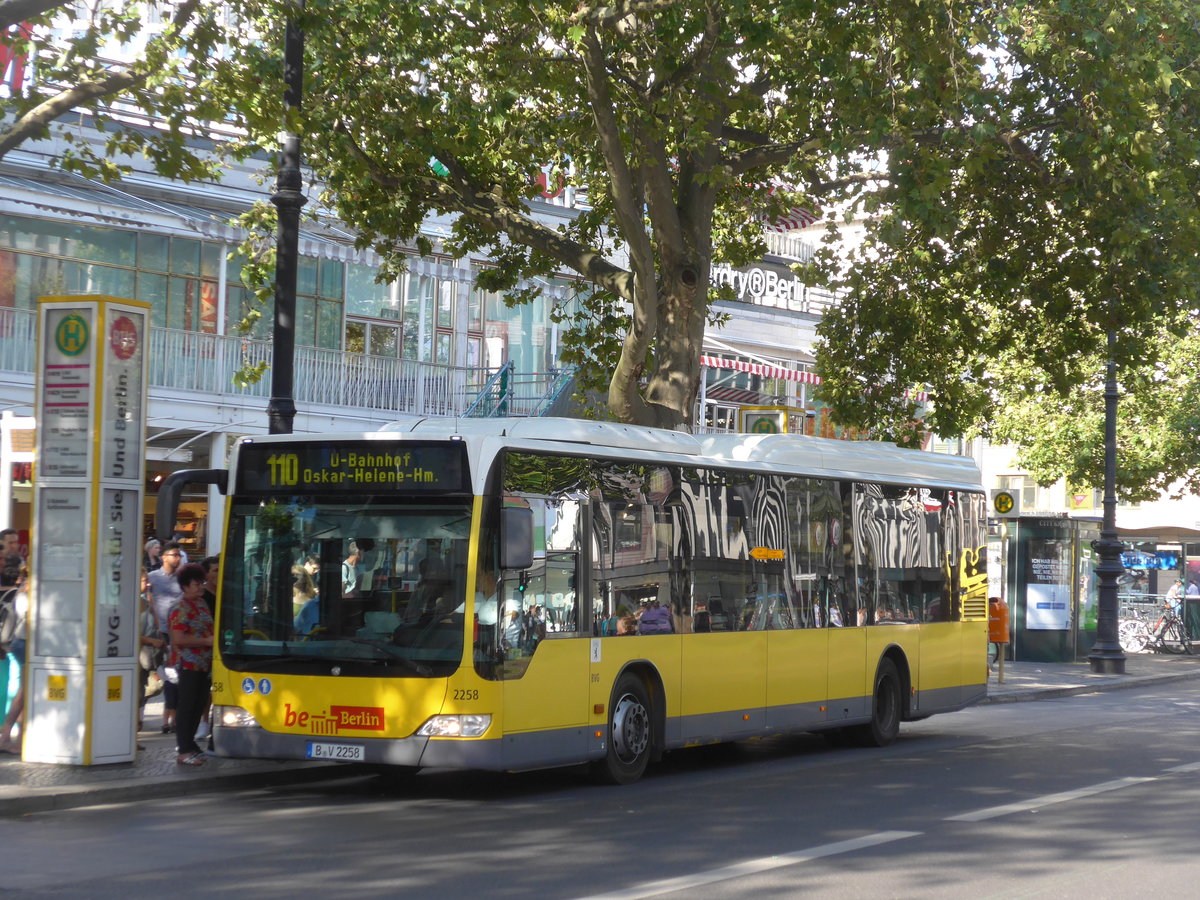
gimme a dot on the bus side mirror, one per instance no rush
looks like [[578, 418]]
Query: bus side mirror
[[171, 489], [516, 537]]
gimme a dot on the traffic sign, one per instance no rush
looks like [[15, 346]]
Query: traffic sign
[[1006, 504]]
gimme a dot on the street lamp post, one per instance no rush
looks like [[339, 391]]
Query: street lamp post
[[1106, 655], [288, 199]]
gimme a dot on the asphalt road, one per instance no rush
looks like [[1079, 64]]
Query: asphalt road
[[1090, 796]]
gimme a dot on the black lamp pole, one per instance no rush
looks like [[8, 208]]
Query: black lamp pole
[[1107, 655], [288, 199]]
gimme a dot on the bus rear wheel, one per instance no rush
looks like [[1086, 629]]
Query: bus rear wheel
[[885, 708], [630, 734]]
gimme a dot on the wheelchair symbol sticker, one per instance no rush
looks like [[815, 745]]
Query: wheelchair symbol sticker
[[247, 685]]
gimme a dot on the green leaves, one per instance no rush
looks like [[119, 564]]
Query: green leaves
[[1024, 175]]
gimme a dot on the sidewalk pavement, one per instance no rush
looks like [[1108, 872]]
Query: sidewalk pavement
[[1042, 681], [37, 787]]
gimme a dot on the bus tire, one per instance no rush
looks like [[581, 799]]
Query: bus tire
[[630, 733], [885, 708]]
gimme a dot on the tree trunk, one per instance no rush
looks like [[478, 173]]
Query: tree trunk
[[669, 397]]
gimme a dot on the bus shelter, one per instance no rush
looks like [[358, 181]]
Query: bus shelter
[[1044, 568]]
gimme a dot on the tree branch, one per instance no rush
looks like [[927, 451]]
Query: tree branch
[[459, 194], [14, 12], [699, 58], [770, 155], [623, 396], [607, 16], [38, 119], [744, 135], [626, 200], [660, 196]]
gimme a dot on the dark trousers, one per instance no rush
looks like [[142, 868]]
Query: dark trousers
[[192, 693]]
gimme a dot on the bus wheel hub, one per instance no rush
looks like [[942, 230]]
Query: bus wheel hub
[[630, 729]]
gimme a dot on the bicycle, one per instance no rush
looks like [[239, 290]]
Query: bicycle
[[1167, 635]]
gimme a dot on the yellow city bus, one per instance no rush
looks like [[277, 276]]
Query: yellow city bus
[[512, 594]]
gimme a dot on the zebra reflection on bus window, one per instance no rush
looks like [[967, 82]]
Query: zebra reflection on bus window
[[733, 550]]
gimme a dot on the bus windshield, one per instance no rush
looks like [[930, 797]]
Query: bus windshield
[[367, 586]]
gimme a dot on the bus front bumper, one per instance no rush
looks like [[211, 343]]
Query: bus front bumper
[[463, 753]]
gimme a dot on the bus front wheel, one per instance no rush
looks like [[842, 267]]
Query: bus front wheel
[[885, 708], [630, 734]]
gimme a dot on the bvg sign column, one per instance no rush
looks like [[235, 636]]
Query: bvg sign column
[[90, 472]]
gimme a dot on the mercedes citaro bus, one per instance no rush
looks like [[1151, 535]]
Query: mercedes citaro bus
[[512, 594]]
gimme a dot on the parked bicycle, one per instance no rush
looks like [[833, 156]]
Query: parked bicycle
[[1167, 634]]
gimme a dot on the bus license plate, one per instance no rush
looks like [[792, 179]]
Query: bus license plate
[[338, 752]]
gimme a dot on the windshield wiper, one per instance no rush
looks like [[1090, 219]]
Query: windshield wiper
[[281, 657], [393, 653]]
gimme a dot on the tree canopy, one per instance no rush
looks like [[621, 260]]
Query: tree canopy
[[1026, 173], [1057, 203]]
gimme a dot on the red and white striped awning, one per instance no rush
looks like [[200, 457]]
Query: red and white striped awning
[[716, 362]]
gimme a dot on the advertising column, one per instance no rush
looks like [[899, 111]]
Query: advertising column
[[87, 507], [1044, 590]]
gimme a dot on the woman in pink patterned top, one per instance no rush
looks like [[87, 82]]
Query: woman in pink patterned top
[[191, 629]]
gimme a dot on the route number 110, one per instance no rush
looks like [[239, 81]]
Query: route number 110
[[285, 468]]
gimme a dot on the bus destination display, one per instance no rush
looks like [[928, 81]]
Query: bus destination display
[[343, 466]]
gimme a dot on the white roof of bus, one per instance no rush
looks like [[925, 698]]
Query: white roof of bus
[[793, 454], [819, 457]]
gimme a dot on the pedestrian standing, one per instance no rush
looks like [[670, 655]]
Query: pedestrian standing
[[191, 626], [165, 593], [151, 647], [14, 576], [212, 574], [152, 557]]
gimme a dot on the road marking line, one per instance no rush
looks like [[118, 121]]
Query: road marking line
[[1187, 767], [752, 867], [993, 812]]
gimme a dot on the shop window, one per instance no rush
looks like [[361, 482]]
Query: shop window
[[65, 239], [356, 337], [306, 321], [240, 303], [210, 260], [374, 338], [332, 274], [153, 251], [475, 311], [367, 297], [185, 256], [329, 325], [306, 275], [418, 318], [383, 340], [445, 305]]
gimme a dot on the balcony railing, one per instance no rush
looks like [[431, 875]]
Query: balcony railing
[[206, 363]]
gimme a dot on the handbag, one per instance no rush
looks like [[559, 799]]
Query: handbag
[[150, 658]]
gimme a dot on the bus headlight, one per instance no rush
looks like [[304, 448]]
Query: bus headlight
[[233, 717], [455, 726]]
